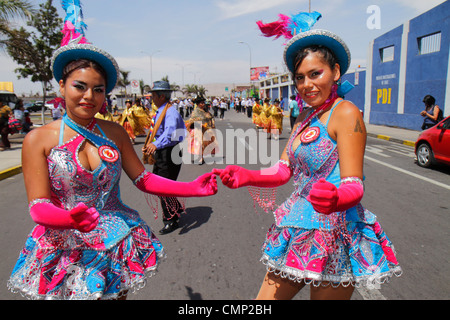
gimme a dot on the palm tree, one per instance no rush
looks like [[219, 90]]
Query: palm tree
[[11, 9], [124, 81], [173, 86], [194, 90]]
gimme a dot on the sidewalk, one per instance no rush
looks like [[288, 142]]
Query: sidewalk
[[11, 162]]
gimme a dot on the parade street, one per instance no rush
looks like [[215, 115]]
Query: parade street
[[215, 253]]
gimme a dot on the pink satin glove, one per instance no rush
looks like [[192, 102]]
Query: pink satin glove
[[326, 198], [236, 177], [81, 217], [205, 185]]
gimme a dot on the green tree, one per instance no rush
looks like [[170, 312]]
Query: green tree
[[9, 10], [33, 50], [194, 90], [123, 80], [173, 86]]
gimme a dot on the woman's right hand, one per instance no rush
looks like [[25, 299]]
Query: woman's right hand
[[84, 219]]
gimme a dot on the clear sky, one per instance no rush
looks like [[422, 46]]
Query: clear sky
[[202, 37]]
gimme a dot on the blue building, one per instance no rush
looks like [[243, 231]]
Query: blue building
[[406, 64], [403, 65]]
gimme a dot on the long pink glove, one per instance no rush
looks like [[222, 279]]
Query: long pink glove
[[235, 176], [81, 217], [326, 198], [203, 186]]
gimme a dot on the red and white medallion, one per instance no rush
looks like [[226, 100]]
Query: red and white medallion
[[108, 153], [310, 135]]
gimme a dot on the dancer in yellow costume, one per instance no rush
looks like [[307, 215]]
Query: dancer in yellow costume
[[256, 114], [142, 118], [127, 121], [104, 114], [276, 119], [264, 115]]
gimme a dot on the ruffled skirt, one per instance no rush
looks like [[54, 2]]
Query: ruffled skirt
[[361, 255], [81, 273]]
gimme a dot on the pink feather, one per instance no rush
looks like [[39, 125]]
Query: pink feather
[[276, 28], [70, 34]]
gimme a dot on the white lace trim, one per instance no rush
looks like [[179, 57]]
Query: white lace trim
[[320, 279], [29, 290]]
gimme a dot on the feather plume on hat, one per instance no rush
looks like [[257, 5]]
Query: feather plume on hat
[[289, 26]]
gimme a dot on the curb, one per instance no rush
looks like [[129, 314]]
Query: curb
[[387, 138], [10, 172]]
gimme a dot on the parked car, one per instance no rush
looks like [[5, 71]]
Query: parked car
[[37, 106], [433, 145], [31, 107]]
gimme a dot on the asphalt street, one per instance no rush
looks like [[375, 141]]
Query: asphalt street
[[215, 253]]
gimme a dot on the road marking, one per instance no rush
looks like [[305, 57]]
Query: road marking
[[442, 185], [377, 151]]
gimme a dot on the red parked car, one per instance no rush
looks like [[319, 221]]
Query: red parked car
[[433, 145]]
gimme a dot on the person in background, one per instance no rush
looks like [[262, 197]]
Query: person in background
[[431, 114], [27, 124], [170, 133], [57, 111], [5, 113], [294, 111]]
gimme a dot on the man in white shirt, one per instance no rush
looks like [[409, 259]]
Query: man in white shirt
[[57, 112], [181, 107]]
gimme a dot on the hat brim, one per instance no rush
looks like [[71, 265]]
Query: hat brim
[[161, 89], [69, 53], [318, 37]]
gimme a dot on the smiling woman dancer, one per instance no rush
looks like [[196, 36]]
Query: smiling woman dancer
[[322, 235], [87, 243]]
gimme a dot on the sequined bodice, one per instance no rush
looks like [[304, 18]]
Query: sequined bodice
[[71, 183], [316, 157], [314, 160]]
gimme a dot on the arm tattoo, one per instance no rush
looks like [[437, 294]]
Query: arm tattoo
[[358, 127]]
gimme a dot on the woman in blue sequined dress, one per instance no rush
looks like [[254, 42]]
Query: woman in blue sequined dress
[[322, 235]]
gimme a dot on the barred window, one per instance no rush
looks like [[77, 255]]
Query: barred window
[[429, 43], [387, 54]]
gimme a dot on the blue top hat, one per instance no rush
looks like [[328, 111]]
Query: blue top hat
[[318, 37], [161, 86], [75, 51], [75, 46]]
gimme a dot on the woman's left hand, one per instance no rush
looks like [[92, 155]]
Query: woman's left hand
[[323, 197]]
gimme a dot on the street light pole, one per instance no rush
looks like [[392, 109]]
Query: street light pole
[[250, 70], [182, 72], [151, 64]]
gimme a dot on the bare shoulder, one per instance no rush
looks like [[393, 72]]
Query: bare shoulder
[[113, 131], [347, 109], [348, 117]]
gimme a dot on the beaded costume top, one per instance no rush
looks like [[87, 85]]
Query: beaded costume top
[[316, 157], [99, 188]]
